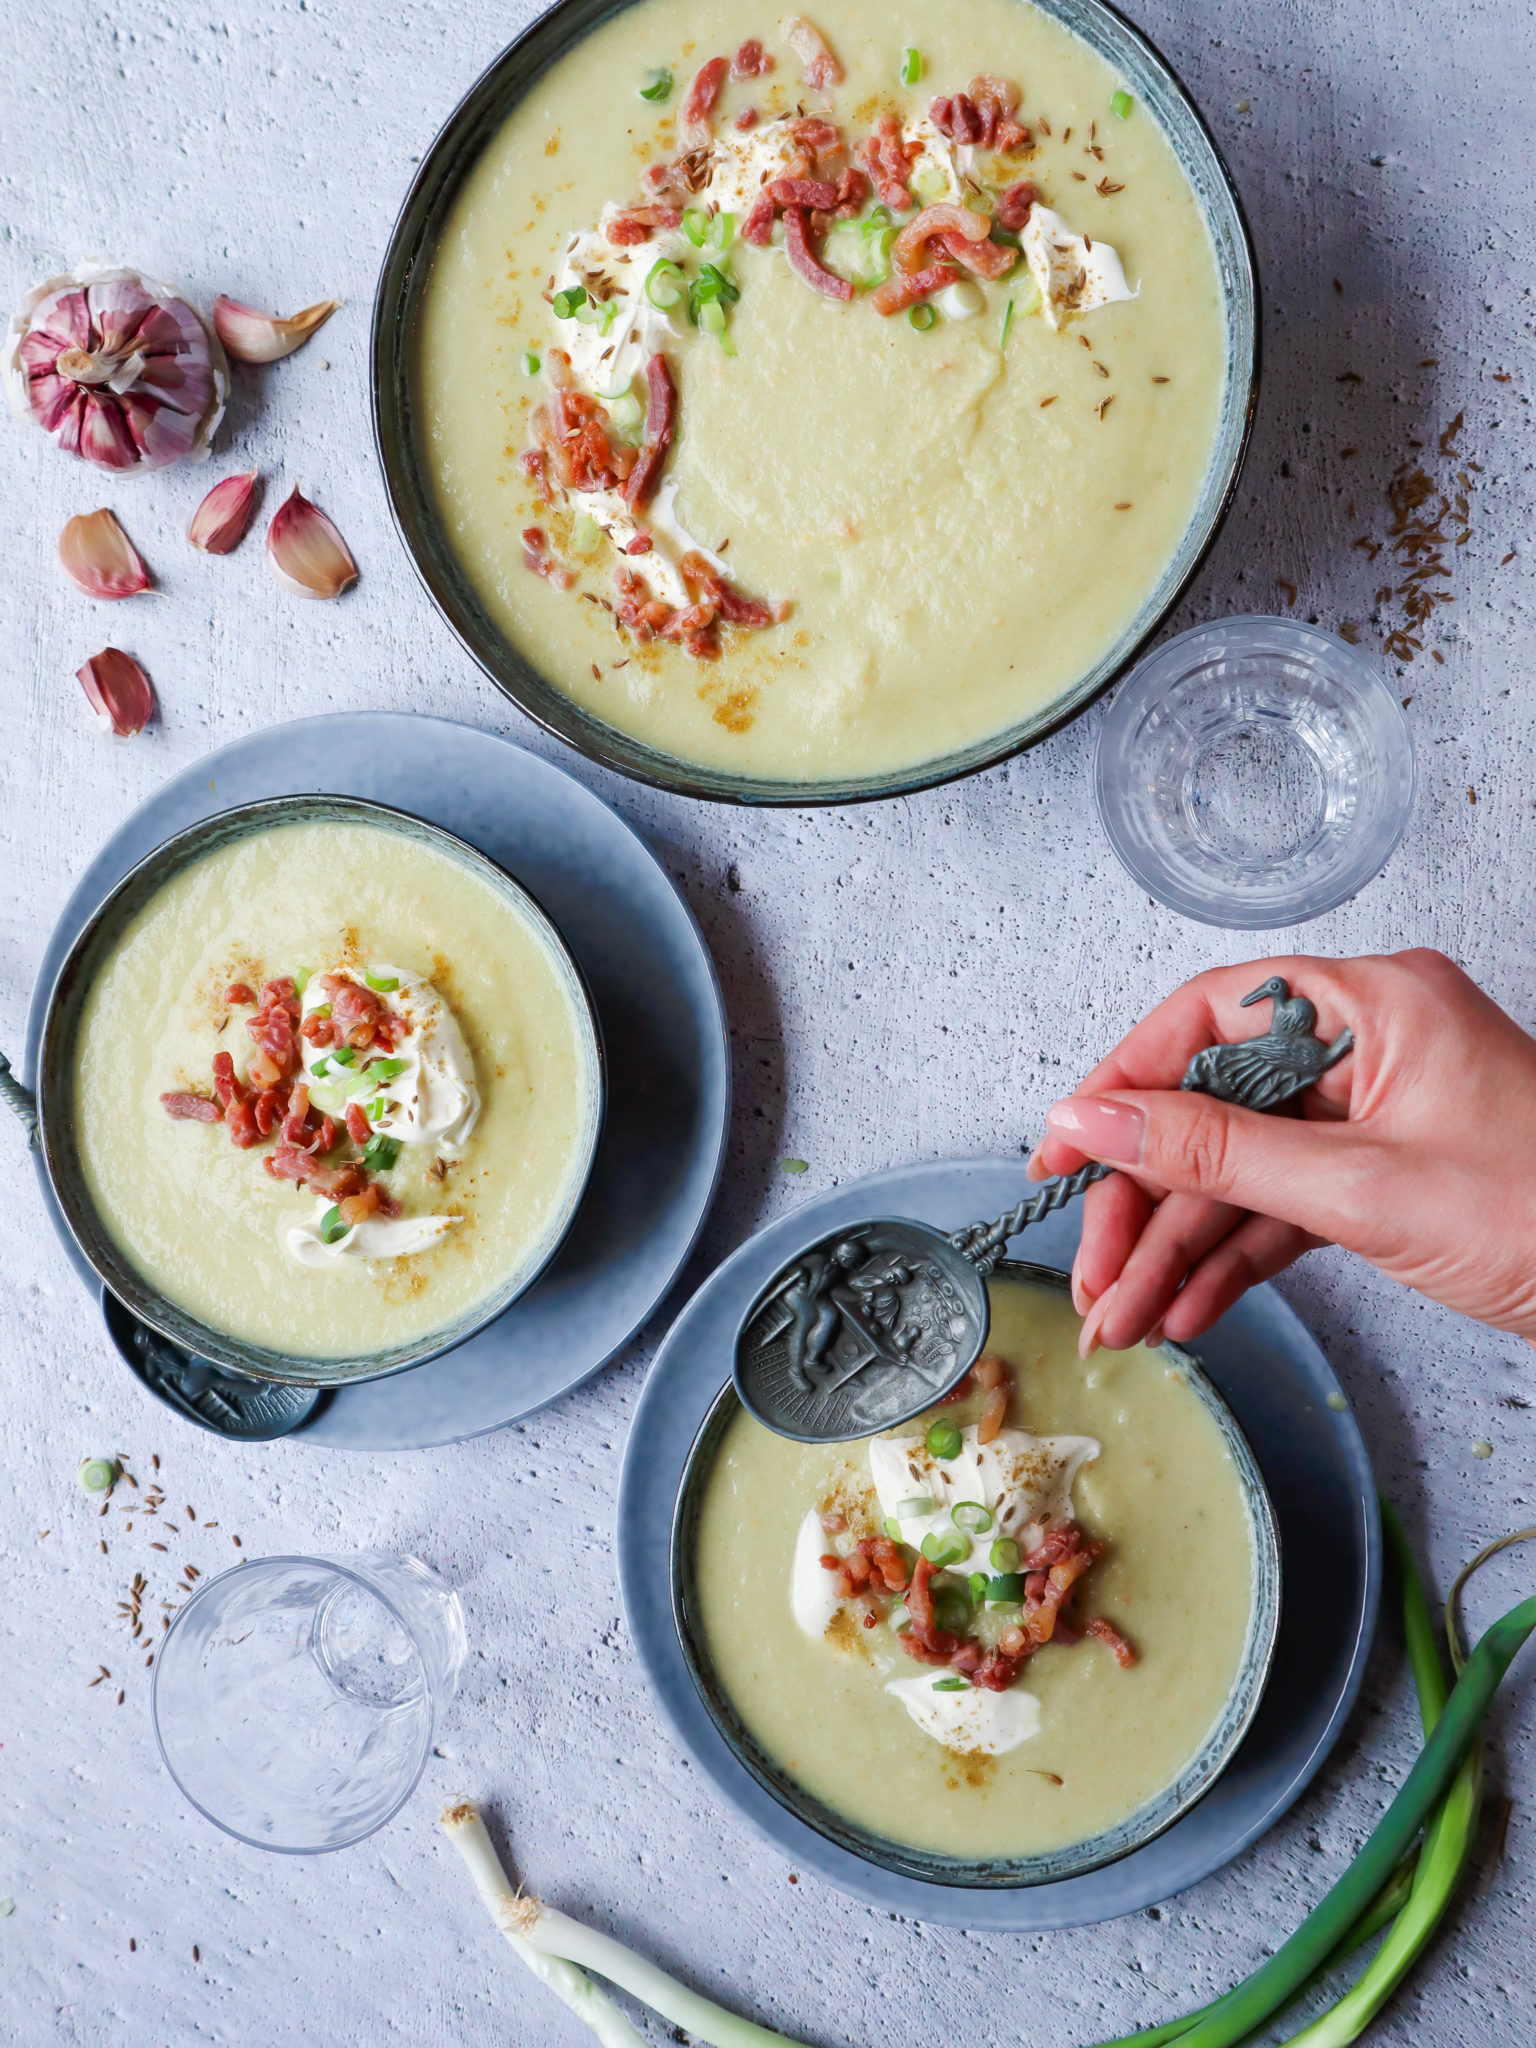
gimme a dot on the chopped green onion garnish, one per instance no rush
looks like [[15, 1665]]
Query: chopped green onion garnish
[[377, 1110], [1004, 1555], [1006, 1588], [899, 1618], [892, 1528], [567, 303], [382, 984], [380, 1071], [952, 1685], [586, 534], [96, 1475], [695, 225], [944, 1440], [971, 1516], [664, 285], [301, 979], [978, 1583], [344, 1055], [656, 85], [323, 1011], [945, 1547], [530, 363], [922, 318], [911, 66], [381, 1153], [919, 1504], [626, 413], [321, 1067], [331, 1225], [929, 183], [1121, 103], [952, 1610], [1002, 339], [722, 231], [712, 318]]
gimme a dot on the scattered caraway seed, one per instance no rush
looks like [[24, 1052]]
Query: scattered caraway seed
[[101, 1673], [1287, 588], [236, 1541], [1047, 401], [197, 1954], [121, 1697], [132, 1946], [1471, 794], [153, 1546]]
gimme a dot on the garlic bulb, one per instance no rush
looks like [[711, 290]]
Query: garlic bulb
[[116, 369]]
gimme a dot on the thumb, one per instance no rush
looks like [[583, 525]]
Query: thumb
[[1300, 1172]]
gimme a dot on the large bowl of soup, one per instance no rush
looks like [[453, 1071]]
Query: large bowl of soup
[[799, 412], [320, 1088], [991, 1647]]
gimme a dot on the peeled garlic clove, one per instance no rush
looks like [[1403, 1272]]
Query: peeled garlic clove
[[253, 337], [219, 523], [98, 556], [119, 692], [307, 555], [116, 368]]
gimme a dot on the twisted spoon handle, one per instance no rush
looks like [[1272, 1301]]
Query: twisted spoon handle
[[20, 1099], [983, 1243]]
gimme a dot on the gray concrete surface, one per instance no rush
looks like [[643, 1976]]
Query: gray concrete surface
[[907, 981]]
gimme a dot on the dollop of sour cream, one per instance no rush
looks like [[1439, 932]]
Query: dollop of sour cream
[[375, 1238], [1072, 273]]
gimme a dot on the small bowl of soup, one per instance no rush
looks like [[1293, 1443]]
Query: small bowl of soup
[[320, 1090], [1006, 1643], [803, 411]]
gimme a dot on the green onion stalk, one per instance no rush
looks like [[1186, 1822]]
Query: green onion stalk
[[1443, 1789]]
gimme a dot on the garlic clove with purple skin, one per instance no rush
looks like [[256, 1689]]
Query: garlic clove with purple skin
[[254, 337], [219, 523], [305, 552], [119, 692], [99, 558], [116, 368]]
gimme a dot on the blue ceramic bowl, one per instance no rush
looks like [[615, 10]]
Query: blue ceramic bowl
[[1175, 1799]]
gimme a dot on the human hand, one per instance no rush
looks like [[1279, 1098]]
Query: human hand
[[1418, 1151]]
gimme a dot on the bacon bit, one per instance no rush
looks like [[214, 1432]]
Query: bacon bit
[[1013, 206], [988, 259], [982, 116], [371, 1200], [926, 1640], [819, 69], [639, 223], [830, 1561], [192, 1108], [535, 465], [888, 159], [812, 192], [910, 248], [359, 1130], [746, 119], [992, 1375], [275, 1031], [1106, 1632], [356, 1012], [239, 993], [693, 122], [640, 545], [834, 1521], [660, 409], [543, 564], [751, 61], [731, 605], [757, 228], [798, 248], [897, 293]]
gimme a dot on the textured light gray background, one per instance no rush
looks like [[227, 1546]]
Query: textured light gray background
[[907, 981]]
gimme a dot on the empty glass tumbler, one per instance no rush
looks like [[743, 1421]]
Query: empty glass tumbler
[[296, 1698], [1254, 772]]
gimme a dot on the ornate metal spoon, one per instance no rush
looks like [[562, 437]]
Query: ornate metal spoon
[[873, 1323]]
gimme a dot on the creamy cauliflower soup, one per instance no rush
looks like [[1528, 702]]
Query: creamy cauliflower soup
[[812, 399]]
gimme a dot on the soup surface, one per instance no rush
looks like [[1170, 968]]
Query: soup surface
[[489, 1090], [1079, 1742], [956, 523]]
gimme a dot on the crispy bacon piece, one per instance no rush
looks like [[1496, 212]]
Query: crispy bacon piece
[[897, 293], [992, 1375], [1106, 1632], [997, 1670], [240, 994], [660, 412], [798, 247], [640, 223], [981, 117], [359, 1130], [909, 251], [936, 1643], [834, 1521], [810, 192], [693, 122], [1056, 1544], [356, 1011], [190, 1107], [275, 1030], [819, 69], [537, 558], [1013, 205], [757, 228], [988, 259], [371, 1200], [888, 160], [751, 61], [534, 462], [728, 601], [640, 545], [1052, 1570], [746, 119], [819, 140], [269, 1109], [853, 188]]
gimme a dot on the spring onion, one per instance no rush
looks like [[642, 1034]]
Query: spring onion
[[946, 1547], [626, 414], [722, 231], [1005, 1555], [344, 1055], [586, 534], [1439, 1775], [922, 318], [380, 1154], [918, 1504], [943, 1440], [971, 1516], [380, 1071], [929, 183], [301, 980], [695, 225], [899, 1618], [323, 1011], [382, 984], [560, 1951], [665, 284], [712, 317], [530, 363], [567, 303], [978, 1585], [1121, 103], [656, 85], [321, 1068], [1002, 339], [911, 66], [331, 1225], [892, 1528], [951, 1685], [97, 1475], [377, 1110], [1006, 1589]]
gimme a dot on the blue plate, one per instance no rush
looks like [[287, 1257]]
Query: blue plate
[[1277, 1383], [656, 993]]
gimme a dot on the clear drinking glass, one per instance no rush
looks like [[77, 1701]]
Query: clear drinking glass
[[296, 1698], [1254, 772]]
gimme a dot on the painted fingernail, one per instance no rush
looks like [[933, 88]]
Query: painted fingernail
[[1088, 1336], [1113, 1131]]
